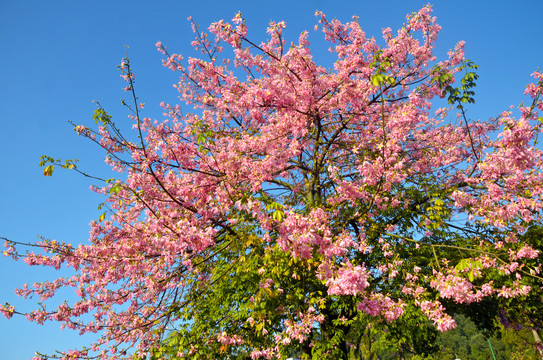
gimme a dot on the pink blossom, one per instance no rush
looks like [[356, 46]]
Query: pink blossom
[[527, 252], [350, 280]]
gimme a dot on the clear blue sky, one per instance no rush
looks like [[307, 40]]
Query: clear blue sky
[[57, 56]]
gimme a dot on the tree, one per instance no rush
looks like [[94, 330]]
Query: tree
[[295, 202]]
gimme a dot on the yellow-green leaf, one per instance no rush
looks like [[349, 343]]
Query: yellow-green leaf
[[278, 215], [115, 189], [376, 79], [48, 171]]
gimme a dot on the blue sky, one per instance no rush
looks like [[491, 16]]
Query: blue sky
[[58, 56]]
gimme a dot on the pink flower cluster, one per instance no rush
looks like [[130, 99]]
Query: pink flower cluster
[[436, 312], [300, 330], [350, 280], [454, 287], [379, 304]]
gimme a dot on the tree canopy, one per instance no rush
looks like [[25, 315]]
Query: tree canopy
[[285, 209]]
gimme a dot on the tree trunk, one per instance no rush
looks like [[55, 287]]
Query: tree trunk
[[538, 343]]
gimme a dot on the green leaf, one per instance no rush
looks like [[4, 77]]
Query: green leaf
[[469, 264], [102, 217], [278, 215], [101, 117], [462, 265], [259, 327], [376, 79], [115, 190]]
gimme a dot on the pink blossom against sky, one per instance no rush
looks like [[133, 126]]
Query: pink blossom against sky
[[58, 56]]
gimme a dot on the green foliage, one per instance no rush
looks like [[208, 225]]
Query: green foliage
[[48, 169], [381, 64], [465, 93], [469, 266], [100, 116], [526, 311]]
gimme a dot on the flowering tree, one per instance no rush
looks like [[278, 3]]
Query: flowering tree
[[297, 205]]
